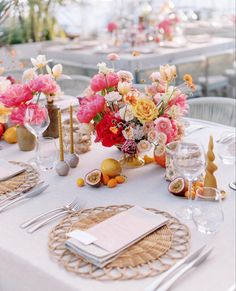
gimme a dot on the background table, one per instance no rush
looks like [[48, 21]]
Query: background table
[[25, 264], [162, 55]]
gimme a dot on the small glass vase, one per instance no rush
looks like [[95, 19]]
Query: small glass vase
[[131, 161]]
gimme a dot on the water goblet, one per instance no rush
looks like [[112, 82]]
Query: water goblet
[[36, 120], [226, 149], [189, 162], [207, 211]]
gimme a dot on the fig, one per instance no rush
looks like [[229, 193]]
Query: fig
[[177, 186], [94, 178]]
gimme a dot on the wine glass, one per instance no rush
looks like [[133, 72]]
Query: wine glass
[[207, 211], [36, 120], [189, 161], [227, 152]]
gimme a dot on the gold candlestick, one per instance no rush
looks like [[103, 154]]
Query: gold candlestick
[[60, 137], [210, 180], [71, 131]]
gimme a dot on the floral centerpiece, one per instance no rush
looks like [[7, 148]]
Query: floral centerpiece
[[37, 81], [132, 120]]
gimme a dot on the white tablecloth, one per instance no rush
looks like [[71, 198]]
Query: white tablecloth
[[25, 264]]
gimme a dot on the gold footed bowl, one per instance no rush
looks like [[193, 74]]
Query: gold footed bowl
[[131, 161]]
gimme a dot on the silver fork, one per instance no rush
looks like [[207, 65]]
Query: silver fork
[[67, 206], [75, 208]]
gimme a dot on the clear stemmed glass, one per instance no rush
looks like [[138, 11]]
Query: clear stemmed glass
[[36, 120], [227, 152], [189, 161]]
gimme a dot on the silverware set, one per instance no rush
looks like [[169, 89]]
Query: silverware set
[[27, 194], [193, 128], [42, 219], [191, 261]]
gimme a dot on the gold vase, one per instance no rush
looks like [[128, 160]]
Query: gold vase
[[25, 139], [131, 161]]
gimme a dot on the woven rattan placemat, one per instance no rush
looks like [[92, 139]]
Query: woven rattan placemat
[[21, 182], [150, 256]]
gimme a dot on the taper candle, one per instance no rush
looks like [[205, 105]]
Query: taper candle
[[60, 137], [71, 131]]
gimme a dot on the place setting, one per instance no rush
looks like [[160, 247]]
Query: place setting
[[117, 146]]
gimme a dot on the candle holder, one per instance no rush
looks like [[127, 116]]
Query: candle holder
[[72, 158], [62, 168]]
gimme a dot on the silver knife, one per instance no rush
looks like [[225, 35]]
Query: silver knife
[[186, 260], [31, 194], [166, 286], [13, 196]]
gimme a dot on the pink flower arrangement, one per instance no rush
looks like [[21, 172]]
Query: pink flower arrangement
[[89, 107], [18, 114], [15, 95], [101, 82], [113, 57], [166, 126], [179, 99], [112, 26], [44, 84]]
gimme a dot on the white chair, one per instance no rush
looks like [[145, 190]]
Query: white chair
[[74, 86], [215, 109]]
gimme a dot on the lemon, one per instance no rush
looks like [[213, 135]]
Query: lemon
[[10, 135], [111, 167]]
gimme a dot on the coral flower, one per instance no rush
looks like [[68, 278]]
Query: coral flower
[[44, 84], [101, 82], [15, 95], [112, 26]]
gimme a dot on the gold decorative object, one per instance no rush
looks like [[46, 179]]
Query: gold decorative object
[[61, 167], [72, 158], [131, 161], [150, 256], [210, 180], [25, 180]]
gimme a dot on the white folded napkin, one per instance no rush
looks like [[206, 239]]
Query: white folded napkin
[[103, 242], [8, 170]]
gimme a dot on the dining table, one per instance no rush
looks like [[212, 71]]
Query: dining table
[[149, 56], [25, 262]]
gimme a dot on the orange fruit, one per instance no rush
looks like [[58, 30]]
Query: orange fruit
[[120, 179], [111, 168], [80, 182], [105, 179], [160, 155], [112, 183], [10, 135], [148, 160]]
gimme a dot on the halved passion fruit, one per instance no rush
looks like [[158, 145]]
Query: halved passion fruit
[[94, 178], [177, 186]]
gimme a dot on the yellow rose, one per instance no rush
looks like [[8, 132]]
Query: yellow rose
[[145, 110]]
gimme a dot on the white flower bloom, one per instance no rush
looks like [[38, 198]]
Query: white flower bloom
[[4, 84], [112, 97], [57, 70], [138, 132], [124, 87], [128, 133], [125, 76], [168, 73], [152, 136], [161, 138], [102, 68], [126, 113], [144, 146], [40, 61], [155, 76], [28, 74]]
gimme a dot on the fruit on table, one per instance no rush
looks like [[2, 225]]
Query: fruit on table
[[177, 186], [148, 160], [160, 155], [10, 135], [93, 178], [2, 128], [105, 179], [80, 182], [112, 183], [120, 179], [111, 168]]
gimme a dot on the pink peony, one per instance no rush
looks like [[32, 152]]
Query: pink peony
[[15, 95], [17, 115], [101, 82], [113, 57], [89, 107], [112, 26], [98, 83], [179, 99], [163, 124], [44, 84], [166, 25]]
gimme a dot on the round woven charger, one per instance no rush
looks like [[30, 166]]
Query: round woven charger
[[150, 256], [21, 182]]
